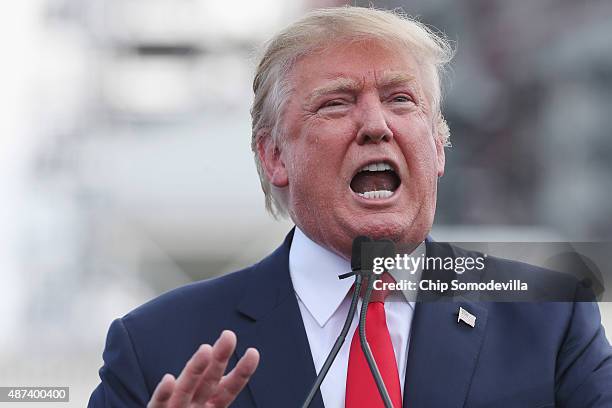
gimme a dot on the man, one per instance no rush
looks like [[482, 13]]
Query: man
[[349, 140]]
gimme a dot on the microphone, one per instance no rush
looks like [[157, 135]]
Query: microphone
[[356, 252], [356, 258], [357, 270]]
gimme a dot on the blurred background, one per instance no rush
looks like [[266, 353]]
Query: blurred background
[[125, 166]]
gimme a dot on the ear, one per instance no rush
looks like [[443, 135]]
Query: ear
[[270, 157], [440, 156], [441, 132]]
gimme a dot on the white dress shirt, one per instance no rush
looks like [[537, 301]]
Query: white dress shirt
[[324, 304]]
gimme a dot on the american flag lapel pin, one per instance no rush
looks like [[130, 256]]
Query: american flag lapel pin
[[466, 317]]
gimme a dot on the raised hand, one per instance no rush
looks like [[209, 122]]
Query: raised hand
[[202, 384]]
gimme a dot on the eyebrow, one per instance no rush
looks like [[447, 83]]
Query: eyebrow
[[338, 85], [391, 79]]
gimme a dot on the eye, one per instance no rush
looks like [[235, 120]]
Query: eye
[[401, 98], [332, 103]]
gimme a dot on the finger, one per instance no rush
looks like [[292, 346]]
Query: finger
[[163, 392], [222, 350], [186, 384], [234, 382]]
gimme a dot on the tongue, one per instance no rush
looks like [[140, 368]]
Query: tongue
[[374, 180]]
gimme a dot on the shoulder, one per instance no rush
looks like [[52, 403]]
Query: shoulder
[[161, 335], [543, 284], [191, 301], [197, 313]]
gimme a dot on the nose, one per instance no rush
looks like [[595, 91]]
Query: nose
[[373, 124]]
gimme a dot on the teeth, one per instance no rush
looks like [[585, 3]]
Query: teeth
[[376, 167], [377, 194]]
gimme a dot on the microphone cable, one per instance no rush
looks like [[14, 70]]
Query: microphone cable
[[339, 341], [365, 347]]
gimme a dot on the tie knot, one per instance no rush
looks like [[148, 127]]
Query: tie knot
[[380, 294]]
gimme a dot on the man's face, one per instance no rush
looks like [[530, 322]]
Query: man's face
[[359, 156]]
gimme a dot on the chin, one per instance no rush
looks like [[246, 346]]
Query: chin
[[400, 227], [380, 226]]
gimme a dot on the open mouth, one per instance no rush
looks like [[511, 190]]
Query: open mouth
[[375, 181]]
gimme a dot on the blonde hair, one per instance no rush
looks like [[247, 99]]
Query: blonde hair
[[323, 27]]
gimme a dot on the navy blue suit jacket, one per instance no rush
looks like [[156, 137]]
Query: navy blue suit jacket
[[518, 354]]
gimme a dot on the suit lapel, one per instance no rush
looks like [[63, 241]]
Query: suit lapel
[[442, 353], [275, 327]]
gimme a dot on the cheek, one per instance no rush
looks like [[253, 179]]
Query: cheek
[[321, 150], [419, 150], [311, 169]]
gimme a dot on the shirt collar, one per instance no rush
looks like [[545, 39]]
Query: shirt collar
[[314, 273]]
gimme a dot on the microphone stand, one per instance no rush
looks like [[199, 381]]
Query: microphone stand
[[360, 275], [365, 347]]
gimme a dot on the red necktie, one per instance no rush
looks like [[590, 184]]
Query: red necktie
[[361, 390]]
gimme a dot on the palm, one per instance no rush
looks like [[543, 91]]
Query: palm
[[202, 384]]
